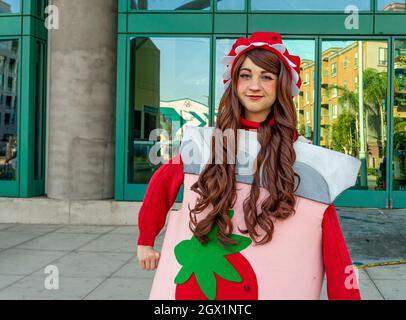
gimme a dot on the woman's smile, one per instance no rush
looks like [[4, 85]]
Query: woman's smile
[[255, 98]]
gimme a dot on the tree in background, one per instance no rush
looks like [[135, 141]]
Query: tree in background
[[345, 137]]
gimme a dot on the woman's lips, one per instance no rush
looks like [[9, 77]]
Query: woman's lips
[[254, 98]]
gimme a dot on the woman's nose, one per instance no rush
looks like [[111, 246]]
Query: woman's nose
[[254, 83]]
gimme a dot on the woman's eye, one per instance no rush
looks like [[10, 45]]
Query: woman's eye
[[244, 75], [267, 78]]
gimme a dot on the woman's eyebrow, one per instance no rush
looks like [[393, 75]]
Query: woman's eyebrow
[[247, 69]]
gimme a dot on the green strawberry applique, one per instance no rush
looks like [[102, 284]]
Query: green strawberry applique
[[212, 271]]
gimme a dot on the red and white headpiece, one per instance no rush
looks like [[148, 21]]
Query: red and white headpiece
[[271, 41]]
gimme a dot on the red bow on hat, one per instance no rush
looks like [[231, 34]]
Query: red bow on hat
[[271, 41]]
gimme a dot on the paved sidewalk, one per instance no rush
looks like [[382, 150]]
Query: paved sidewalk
[[99, 262]]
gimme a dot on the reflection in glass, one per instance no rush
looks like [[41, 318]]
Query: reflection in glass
[[230, 4], [392, 5], [170, 5], [304, 103], [399, 118], [9, 6], [8, 109], [41, 8], [169, 89], [309, 5], [353, 113], [223, 47], [39, 138]]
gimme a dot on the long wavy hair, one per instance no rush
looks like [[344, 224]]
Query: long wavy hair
[[216, 184]]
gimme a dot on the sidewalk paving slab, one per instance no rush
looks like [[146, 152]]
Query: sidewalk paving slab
[[390, 272], [90, 264], [12, 239], [132, 270], [85, 229], [24, 262], [5, 226], [58, 241], [33, 288], [392, 289], [119, 242], [122, 289]]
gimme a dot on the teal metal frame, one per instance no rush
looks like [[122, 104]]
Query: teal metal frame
[[28, 28], [397, 198]]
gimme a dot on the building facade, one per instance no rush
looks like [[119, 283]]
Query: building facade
[[78, 103]]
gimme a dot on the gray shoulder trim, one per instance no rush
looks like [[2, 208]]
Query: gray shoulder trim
[[312, 184]]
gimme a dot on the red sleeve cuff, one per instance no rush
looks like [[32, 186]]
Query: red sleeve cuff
[[341, 275]]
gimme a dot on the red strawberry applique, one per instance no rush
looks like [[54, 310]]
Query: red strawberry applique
[[214, 272]]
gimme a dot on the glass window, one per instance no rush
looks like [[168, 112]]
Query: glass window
[[40, 9], [169, 89], [399, 117], [392, 5], [171, 5], [223, 47], [383, 56], [309, 5], [230, 4], [345, 63], [9, 6], [8, 109], [353, 118], [304, 105]]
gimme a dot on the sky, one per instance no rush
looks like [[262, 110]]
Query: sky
[[15, 4], [184, 68]]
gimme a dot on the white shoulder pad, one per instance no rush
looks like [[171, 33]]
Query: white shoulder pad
[[339, 170]]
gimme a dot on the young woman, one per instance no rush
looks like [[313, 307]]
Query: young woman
[[263, 230]]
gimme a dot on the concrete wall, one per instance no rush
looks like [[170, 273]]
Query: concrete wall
[[42, 210], [81, 110]]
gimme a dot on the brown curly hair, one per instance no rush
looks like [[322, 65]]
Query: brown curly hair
[[216, 184]]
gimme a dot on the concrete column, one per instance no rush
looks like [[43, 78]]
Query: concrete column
[[81, 110]]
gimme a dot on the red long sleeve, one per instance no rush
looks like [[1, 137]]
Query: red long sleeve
[[159, 198], [341, 282]]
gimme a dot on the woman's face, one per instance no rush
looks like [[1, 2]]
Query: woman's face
[[257, 90]]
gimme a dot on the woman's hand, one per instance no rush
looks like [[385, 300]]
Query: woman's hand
[[148, 257]]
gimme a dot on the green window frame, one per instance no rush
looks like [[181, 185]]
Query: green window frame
[[28, 28]]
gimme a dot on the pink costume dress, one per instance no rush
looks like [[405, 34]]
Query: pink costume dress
[[288, 267]]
